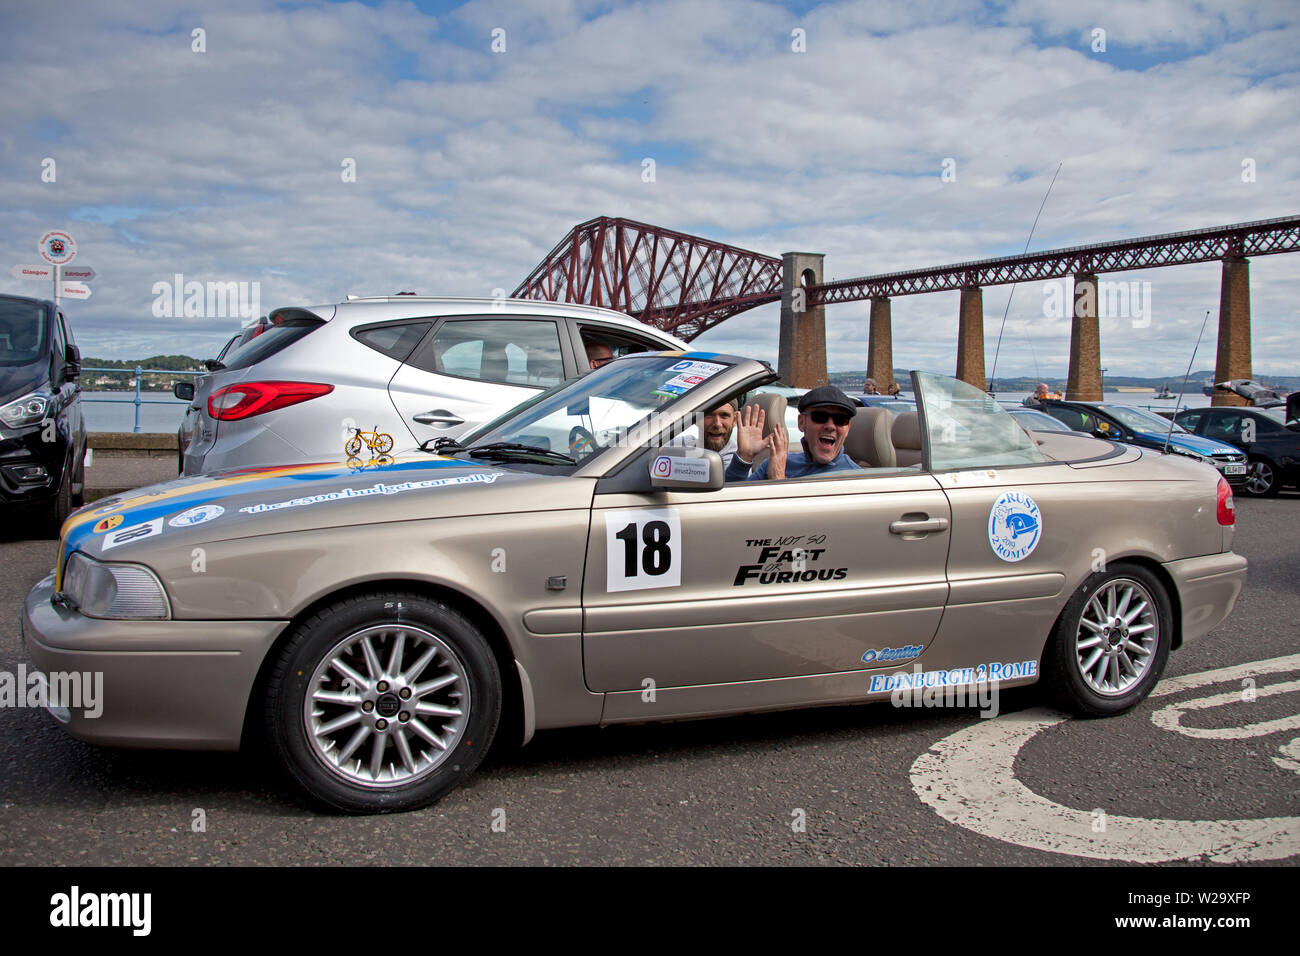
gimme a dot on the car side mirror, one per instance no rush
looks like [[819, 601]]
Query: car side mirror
[[72, 363], [679, 468], [184, 391]]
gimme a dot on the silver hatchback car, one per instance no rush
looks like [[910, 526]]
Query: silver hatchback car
[[392, 372]]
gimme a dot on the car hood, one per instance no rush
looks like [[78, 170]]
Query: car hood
[[253, 502], [1195, 443], [17, 380]]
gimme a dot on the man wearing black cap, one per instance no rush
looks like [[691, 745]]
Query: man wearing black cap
[[824, 416]]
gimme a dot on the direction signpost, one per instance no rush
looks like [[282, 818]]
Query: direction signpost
[[58, 248], [33, 272]]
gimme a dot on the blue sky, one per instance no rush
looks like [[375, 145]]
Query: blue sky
[[226, 164]]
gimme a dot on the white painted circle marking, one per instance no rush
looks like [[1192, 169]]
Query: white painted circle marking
[[968, 778]]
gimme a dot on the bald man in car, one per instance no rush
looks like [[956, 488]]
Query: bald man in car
[[824, 417]]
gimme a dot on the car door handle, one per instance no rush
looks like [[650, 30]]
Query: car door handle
[[917, 524], [439, 416]]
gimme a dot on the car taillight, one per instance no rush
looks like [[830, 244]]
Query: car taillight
[[1227, 510], [253, 398]]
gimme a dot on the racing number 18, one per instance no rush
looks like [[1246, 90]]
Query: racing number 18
[[642, 549], [656, 558]]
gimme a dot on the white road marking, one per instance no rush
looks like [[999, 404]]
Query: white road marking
[[968, 778], [1170, 716], [1274, 665], [1290, 759]]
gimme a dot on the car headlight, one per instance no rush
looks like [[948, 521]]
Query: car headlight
[[28, 410], [113, 590]]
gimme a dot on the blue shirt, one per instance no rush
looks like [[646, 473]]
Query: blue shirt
[[797, 465]]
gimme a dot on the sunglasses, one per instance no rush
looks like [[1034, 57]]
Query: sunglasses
[[820, 417]]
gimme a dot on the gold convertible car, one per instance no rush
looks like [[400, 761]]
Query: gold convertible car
[[584, 559]]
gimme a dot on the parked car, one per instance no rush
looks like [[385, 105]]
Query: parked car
[[410, 367], [186, 390], [42, 429], [568, 564], [1136, 426], [1272, 446]]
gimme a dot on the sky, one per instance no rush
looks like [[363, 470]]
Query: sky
[[316, 149]]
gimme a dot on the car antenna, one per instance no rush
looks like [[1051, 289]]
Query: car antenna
[[998, 347], [1181, 388]]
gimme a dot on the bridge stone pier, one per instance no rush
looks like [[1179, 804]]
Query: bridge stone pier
[[880, 345], [1233, 360], [970, 337], [1083, 381], [801, 360]]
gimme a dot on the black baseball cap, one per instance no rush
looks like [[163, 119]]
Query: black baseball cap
[[827, 395]]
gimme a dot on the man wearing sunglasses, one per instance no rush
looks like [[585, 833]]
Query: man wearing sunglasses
[[824, 417]]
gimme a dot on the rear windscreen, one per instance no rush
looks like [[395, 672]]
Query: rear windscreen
[[271, 341], [23, 328]]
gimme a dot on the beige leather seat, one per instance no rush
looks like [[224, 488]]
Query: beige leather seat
[[774, 409], [906, 436], [869, 443]]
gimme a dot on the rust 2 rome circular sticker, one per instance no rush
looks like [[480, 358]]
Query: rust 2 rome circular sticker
[[1015, 525]]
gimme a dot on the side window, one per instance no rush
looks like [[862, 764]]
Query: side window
[[1071, 418], [505, 351], [1223, 426], [58, 354], [395, 341], [1190, 420]]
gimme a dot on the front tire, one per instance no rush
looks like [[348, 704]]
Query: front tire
[[382, 702], [1111, 642], [1261, 480]]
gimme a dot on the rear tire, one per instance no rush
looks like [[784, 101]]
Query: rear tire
[[1110, 643], [382, 702]]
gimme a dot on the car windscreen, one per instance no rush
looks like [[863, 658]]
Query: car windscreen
[[23, 332], [1139, 419], [273, 340], [966, 428], [589, 414]]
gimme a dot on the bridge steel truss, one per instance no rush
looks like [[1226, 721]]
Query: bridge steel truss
[[676, 282], [1243, 239]]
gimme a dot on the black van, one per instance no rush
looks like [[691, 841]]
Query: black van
[[42, 430]]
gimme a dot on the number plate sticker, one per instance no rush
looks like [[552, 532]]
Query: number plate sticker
[[643, 549], [1235, 470]]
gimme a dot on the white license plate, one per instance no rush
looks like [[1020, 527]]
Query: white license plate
[[1234, 469]]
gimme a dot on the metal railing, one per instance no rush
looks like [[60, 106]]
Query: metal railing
[[136, 400]]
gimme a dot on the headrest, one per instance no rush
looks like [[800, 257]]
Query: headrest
[[773, 408], [907, 431], [868, 442]]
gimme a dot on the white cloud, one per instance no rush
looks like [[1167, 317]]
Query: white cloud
[[470, 165]]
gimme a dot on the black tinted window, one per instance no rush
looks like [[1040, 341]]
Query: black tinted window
[[1071, 418], [271, 341], [395, 341]]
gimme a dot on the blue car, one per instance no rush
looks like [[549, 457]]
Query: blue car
[[1137, 426]]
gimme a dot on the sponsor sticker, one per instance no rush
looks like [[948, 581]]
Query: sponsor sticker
[[681, 469], [380, 488], [959, 479], [134, 532], [107, 524], [873, 656], [197, 515], [1015, 526], [692, 367]]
